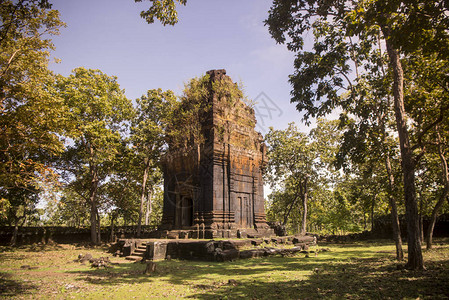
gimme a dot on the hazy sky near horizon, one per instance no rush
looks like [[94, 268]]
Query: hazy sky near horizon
[[111, 36]]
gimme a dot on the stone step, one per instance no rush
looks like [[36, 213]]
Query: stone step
[[139, 251], [134, 257]]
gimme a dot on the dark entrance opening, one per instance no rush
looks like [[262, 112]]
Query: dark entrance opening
[[184, 212]]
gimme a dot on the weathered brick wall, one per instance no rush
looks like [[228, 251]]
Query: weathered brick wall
[[218, 183]]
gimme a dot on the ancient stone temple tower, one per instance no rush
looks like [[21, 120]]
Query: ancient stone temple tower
[[213, 185]]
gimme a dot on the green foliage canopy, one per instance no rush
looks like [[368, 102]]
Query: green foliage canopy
[[100, 111], [32, 115]]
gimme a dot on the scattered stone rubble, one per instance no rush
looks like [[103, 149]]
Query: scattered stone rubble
[[101, 262]]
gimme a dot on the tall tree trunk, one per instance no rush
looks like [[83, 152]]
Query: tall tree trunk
[[111, 237], [149, 208], [421, 222], [394, 211], [93, 221], [142, 195], [443, 196], [98, 227], [364, 221], [15, 232], [93, 200], [396, 226], [415, 259], [421, 228], [373, 203], [433, 219], [17, 226], [304, 196], [287, 213]]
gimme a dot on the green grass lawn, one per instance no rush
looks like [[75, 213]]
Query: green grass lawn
[[363, 270]]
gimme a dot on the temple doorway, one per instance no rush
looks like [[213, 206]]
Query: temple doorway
[[184, 212], [244, 211]]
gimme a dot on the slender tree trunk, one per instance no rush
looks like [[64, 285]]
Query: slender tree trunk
[[433, 219], [394, 211], [15, 233], [149, 206], [364, 221], [373, 203], [142, 195], [443, 196], [287, 213], [111, 237], [93, 217], [396, 226], [421, 228], [93, 200], [421, 221], [304, 206], [415, 259], [25, 219], [98, 227]]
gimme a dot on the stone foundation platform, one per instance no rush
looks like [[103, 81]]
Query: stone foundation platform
[[196, 232], [210, 250]]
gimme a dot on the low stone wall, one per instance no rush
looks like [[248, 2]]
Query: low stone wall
[[30, 235], [64, 235], [383, 228]]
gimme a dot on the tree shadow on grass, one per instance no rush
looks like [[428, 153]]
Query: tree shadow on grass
[[183, 273], [124, 273], [180, 272], [356, 243], [330, 275], [362, 279], [11, 256], [10, 287]]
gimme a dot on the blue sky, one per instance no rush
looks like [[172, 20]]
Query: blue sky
[[110, 35]]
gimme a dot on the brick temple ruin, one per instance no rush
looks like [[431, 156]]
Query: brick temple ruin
[[215, 188]]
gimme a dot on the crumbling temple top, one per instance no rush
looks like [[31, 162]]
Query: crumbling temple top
[[213, 184]]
